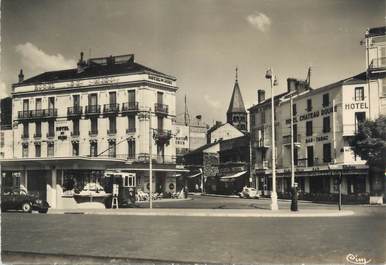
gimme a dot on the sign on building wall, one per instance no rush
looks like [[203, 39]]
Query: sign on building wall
[[182, 137]]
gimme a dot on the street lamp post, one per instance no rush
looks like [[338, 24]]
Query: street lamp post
[[292, 144], [150, 163], [273, 82]]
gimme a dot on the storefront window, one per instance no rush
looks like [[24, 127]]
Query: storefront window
[[74, 181]]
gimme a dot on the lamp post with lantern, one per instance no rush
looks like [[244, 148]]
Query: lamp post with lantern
[[273, 82]]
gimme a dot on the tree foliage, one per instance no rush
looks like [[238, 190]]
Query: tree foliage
[[370, 142]]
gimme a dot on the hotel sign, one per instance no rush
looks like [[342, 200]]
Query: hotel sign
[[160, 79], [96, 81], [313, 115], [361, 105]]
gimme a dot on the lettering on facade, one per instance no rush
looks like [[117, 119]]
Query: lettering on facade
[[181, 140], [75, 83], [313, 115], [160, 79], [62, 129], [317, 139], [362, 105], [103, 81], [47, 86]]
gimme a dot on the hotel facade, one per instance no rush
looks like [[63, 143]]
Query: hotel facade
[[72, 127], [324, 122]]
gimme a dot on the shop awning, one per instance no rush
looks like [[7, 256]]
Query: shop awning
[[194, 175], [238, 174]]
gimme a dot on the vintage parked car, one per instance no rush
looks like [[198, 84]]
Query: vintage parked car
[[249, 193], [16, 199]]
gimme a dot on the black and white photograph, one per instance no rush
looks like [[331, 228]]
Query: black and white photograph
[[193, 132]]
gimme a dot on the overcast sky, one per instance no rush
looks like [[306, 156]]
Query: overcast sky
[[198, 41]]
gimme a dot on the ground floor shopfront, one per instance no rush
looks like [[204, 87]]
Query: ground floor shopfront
[[356, 183], [70, 183]]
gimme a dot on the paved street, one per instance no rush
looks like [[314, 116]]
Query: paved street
[[199, 239], [209, 202]]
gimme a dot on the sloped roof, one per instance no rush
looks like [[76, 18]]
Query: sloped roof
[[379, 31], [201, 148], [94, 68], [237, 103]]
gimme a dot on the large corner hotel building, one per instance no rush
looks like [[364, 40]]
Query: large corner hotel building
[[70, 126], [324, 121]]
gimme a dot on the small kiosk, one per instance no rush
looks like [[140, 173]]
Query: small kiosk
[[123, 186]]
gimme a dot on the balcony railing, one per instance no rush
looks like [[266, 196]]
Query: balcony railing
[[37, 114], [378, 63], [112, 132], [50, 135], [162, 136], [25, 136], [129, 107], [287, 139], [93, 133], [74, 111], [161, 108], [93, 109], [37, 135], [75, 133], [130, 130], [110, 108], [304, 162]]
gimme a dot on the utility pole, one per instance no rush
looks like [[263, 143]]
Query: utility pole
[[150, 163], [273, 82], [292, 144]]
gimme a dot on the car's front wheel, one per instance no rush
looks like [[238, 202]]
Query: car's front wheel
[[26, 207]]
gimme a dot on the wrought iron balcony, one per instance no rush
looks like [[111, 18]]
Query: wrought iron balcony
[[74, 111], [287, 139], [161, 108], [37, 114], [25, 114], [93, 133], [130, 130], [110, 108], [112, 132], [162, 136], [37, 135], [378, 63], [93, 110], [25, 136], [128, 107], [75, 133], [50, 135]]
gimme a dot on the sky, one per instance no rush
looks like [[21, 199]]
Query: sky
[[200, 42]]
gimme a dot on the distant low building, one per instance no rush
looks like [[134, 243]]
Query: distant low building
[[224, 160]]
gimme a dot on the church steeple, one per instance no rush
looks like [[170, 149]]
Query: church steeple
[[236, 114]]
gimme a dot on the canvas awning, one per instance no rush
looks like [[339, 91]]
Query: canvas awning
[[236, 175], [194, 175]]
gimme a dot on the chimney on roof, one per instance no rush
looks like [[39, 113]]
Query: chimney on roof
[[260, 95], [21, 76], [81, 63]]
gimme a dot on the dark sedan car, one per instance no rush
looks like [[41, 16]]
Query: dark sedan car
[[15, 199]]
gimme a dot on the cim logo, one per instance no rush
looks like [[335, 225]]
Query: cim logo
[[355, 259]]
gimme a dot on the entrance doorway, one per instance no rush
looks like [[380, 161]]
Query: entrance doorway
[[37, 183]]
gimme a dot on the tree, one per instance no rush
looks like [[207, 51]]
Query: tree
[[370, 142]]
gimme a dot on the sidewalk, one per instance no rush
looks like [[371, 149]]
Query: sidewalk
[[206, 212]]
